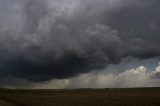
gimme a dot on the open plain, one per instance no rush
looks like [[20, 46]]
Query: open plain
[[81, 97]]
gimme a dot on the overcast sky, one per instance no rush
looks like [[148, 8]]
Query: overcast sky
[[79, 43]]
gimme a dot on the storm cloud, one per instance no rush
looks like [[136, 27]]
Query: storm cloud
[[57, 39], [134, 77]]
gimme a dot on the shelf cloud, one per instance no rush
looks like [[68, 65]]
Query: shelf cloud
[[135, 77], [59, 39]]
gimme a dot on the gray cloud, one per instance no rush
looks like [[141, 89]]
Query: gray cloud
[[42, 40], [135, 77], [138, 77]]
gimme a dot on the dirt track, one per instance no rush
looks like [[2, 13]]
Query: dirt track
[[6, 103]]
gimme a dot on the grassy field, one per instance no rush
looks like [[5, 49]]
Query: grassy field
[[81, 97]]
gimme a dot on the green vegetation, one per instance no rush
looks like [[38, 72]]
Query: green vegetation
[[81, 97]]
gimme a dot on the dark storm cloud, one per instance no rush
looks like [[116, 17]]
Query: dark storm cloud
[[42, 40], [139, 27]]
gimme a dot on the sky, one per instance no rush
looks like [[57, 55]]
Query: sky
[[79, 43]]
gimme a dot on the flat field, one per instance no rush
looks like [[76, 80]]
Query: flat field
[[81, 97]]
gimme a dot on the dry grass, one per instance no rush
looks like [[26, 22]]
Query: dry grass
[[81, 97]]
